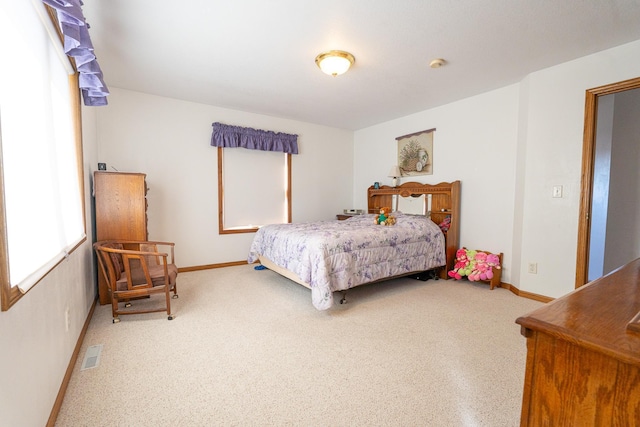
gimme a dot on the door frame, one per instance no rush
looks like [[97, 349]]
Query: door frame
[[588, 160]]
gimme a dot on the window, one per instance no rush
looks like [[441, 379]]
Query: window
[[254, 189], [41, 211], [254, 185]]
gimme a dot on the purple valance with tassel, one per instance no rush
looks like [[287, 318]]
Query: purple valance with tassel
[[253, 139], [77, 44]]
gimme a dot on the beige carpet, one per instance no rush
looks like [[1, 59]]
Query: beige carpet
[[248, 348]]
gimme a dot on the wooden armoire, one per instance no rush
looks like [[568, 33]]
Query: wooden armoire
[[121, 211]]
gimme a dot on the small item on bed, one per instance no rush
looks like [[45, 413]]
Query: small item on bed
[[385, 218]]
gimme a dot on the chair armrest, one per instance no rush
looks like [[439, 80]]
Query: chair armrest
[[170, 246]]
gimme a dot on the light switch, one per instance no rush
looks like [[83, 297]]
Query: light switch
[[557, 191]]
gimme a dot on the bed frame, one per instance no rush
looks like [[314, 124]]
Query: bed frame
[[445, 200]]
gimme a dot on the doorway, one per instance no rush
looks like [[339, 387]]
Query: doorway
[[590, 211]]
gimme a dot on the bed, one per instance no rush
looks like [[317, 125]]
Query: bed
[[331, 256]]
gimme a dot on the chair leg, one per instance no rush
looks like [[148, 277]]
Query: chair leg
[[175, 291], [168, 302], [114, 309]]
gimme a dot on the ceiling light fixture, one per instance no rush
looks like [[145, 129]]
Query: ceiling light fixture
[[437, 63], [335, 62]]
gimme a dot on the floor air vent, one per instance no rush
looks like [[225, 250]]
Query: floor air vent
[[92, 357]]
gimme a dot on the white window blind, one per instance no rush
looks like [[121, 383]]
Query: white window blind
[[42, 187], [255, 190]]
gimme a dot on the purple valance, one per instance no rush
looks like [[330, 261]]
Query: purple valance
[[77, 44], [253, 139]]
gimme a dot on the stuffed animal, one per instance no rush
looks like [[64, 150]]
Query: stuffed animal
[[385, 218], [461, 263], [493, 261], [461, 267], [380, 219], [455, 273], [485, 263], [480, 268], [471, 255], [475, 265], [445, 224]]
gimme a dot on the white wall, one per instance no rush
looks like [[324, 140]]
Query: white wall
[[553, 140], [36, 347], [509, 147], [475, 142], [169, 140]]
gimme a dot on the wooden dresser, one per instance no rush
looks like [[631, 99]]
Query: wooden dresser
[[121, 211], [583, 358]]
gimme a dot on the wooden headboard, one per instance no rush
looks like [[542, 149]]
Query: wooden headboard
[[445, 200]]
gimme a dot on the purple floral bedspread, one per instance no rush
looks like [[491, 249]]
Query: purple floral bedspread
[[337, 255]]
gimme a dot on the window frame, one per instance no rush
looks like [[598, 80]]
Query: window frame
[[221, 228], [9, 295]]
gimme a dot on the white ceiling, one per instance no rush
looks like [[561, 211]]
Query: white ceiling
[[258, 55]]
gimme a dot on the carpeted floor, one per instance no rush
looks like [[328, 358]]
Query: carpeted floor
[[248, 348]]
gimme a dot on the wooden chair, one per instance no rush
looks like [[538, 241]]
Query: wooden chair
[[136, 269]]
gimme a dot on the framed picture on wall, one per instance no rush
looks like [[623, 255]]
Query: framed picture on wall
[[415, 153]]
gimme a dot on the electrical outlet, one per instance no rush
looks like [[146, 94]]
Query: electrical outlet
[[533, 268]]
